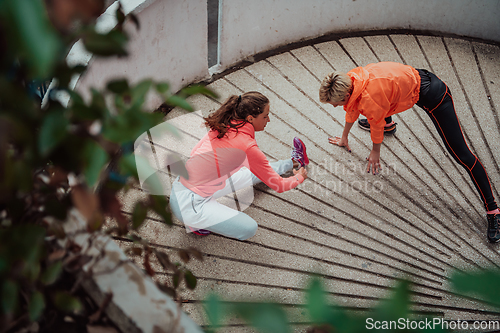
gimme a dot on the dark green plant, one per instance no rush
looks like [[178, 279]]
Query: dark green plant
[[324, 317], [327, 318], [479, 284], [42, 148]]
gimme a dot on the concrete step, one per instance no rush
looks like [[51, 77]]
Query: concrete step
[[421, 217]]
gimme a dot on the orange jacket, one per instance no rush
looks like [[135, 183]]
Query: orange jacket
[[379, 91]]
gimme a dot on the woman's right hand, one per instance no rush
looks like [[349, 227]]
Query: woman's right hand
[[302, 171], [340, 141]]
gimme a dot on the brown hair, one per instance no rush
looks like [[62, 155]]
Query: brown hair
[[235, 110], [335, 87]]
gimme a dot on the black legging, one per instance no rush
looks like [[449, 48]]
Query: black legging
[[435, 98]]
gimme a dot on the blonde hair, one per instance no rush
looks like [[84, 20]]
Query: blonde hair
[[335, 87]]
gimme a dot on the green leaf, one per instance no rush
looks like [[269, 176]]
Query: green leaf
[[57, 208], [95, 159], [37, 40], [162, 87], [65, 74], [139, 215], [140, 167], [190, 279], [32, 271], [81, 111], [118, 86], [195, 253], [36, 306], [76, 98], [316, 302], [120, 16], [112, 43], [214, 310], [478, 284], [159, 204], [53, 131], [66, 302], [198, 89], [134, 19], [127, 127], [22, 175], [127, 165], [9, 296], [51, 273], [27, 240], [165, 260], [139, 92], [15, 104], [98, 103], [265, 317], [175, 100], [397, 305], [176, 278], [79, 69]]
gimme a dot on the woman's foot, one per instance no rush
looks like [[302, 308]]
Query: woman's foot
[[299, 152], [200, 232], [388, 128], [493, 232]]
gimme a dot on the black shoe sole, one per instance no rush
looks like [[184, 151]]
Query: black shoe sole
[[391, 131], [494, 241], [385, 132]]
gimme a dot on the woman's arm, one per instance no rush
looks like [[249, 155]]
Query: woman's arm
[[260, 167]]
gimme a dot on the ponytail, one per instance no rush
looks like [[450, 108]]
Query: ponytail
[[235, 110]]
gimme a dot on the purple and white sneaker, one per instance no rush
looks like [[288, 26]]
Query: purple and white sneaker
[[299, 152], [200, 232]]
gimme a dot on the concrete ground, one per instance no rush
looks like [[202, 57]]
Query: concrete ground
[[420, 218]]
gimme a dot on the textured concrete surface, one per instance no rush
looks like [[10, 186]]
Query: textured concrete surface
[[420, 218]]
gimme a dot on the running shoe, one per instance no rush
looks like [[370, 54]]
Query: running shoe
[[388, 128], [299, 152], [493, 228], [200, 232]]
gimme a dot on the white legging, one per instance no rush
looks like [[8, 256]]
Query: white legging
[[207, 213]]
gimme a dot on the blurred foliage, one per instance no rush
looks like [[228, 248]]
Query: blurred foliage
[[480, 284], [323, 317], [53, 157]]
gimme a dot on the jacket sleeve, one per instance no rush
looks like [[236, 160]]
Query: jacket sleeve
[[351, 116], [260, 167]]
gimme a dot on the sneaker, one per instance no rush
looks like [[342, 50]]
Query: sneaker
[[493, 228], [200, 232], [388, 128], [299, 152]]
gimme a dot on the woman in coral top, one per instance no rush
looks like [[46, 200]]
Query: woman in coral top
[[227, 160], [380, 90]]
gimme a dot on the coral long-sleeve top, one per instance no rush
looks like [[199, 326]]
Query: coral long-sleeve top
[[214, 160], [379, 91]]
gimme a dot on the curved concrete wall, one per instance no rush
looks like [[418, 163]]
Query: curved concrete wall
[[171, 45], [172, 42], [250, 27]]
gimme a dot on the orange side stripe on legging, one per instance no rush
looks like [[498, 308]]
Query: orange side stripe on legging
[[470, 169], [442, 99]]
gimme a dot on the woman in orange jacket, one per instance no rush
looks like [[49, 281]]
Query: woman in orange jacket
[[380, 90]]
